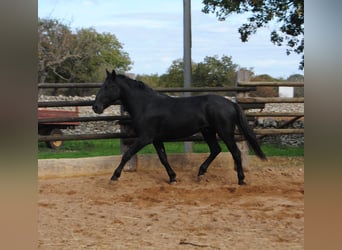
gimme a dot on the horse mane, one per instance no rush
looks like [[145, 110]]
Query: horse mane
[[138, 84]]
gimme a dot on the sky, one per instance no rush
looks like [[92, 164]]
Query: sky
[[151, 32]]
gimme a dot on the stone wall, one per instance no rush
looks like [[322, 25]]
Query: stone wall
[[100, 127], [112, 127], [275, 122], [284, 140]]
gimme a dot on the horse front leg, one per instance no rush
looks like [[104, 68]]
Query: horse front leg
[[136, 146], [159, 146]]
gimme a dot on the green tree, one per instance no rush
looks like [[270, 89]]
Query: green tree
[[100, 51], [174, 76], [265, 91], [82, 56], [211, 72], [297, 91], [54, 47], [152, 80], [296, 78], [289, 14], [215, 72]]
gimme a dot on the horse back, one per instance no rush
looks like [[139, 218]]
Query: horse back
[[175, 117]]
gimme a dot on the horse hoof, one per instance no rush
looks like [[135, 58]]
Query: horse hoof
[[242, 183], [200, 178], [113, 180], [173, 182], [112, 183]]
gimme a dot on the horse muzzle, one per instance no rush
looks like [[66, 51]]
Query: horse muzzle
[[97, 108]]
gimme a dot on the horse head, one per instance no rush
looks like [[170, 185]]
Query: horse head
[[108, 94]]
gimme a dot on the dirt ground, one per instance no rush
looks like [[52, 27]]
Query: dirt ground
[[142, 211]]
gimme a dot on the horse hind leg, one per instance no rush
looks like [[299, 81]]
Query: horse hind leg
[[229, 140], [159, 146], [215, 149]]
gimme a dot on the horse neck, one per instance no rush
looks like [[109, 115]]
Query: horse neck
[[134, 99]]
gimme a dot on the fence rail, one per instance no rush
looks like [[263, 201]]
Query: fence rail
[[270, 100], [84, 119], [271, 84], [161, 90], [196, 137], [242, 84], [274, 114], [125, 118]]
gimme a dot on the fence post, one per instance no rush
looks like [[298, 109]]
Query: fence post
[[243, 75]]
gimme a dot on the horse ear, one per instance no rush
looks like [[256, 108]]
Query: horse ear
[[108, 73], [113, 74]]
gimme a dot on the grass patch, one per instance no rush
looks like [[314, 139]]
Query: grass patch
[[274, 150], [107, 147], [77, 149]]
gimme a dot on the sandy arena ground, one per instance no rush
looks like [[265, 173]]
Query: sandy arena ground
[[142, 211]]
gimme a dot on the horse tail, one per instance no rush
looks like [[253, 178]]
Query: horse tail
[[248, 133]]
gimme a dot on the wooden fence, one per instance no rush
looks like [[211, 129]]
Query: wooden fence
[[243, 80], [242, 88]]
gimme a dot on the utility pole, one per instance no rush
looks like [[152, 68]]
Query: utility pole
[[188, 146]]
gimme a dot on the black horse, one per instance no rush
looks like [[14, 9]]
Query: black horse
[[157, 117]]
